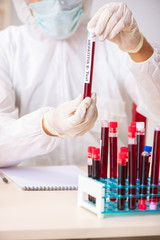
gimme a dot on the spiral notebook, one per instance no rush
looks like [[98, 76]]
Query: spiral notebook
[[45, 178]]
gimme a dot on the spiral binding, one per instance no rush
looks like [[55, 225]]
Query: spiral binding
[[58, 188]]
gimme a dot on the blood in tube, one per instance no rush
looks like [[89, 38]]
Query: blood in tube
[[121, 180], [104, 149], [144, 177], [125, 151], [89, 64], [140, 145], [90, 165], [132, 166], [155, 169], [113, 151], [96, 166]]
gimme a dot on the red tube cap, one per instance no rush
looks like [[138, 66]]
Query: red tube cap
[[131, 131], [113, 127]]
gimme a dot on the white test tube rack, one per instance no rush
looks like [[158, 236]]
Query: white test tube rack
[[88, 186]]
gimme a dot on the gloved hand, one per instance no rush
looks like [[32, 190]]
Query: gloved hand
[[73, 118], [115, 22]]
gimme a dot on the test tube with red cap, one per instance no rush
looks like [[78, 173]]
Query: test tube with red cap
[[104, 148], [96, 166], [90, 165], [113, 151], [153, 201], [125, 151], [121, 180], [140, 145], [96, 163], [144, 177], [89, 63], [132, 167]]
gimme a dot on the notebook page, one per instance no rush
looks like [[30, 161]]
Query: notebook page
[[51, 177]]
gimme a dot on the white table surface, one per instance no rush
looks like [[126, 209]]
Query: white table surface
[[55, 215]]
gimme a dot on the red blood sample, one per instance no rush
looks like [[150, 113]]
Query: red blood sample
[[132, 166], [140, 145], [144, 177], [96, 166], [113, 151], [104, 149], [155, 169], [125, 150], [89, 64], [90, 164], [121, 179]]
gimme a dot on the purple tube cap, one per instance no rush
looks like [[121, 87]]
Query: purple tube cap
[[153, 205]]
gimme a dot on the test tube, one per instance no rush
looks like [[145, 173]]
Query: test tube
[[96, 166], [132, 166], [125, 151], [113, 151], [140, 145], [144, 177], [90, 164], [96, 163], [104, 149], [155, 169], [121, 180], [89, 63]]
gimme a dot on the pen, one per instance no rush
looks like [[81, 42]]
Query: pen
[[4, 179]]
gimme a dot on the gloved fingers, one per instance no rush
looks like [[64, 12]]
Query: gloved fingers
[[80, 112], [112, 22], [70, 107], [93, 22], [92, 109], [116, 29], [104, 18]]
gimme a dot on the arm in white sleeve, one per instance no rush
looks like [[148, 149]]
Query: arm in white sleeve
[[143, 85], [21, 138]]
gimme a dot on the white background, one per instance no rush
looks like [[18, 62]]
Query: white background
[[146, 13]]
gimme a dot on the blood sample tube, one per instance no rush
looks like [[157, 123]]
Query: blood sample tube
[[144, 177], [121, 180], [140, 145], [96, 166], [96, 163], [113, 151], [90, 164], [125, 151], [89, 64], [132, 166], [155, 169], [104, 149]]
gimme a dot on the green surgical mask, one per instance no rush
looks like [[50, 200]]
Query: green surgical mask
[[58, 19]]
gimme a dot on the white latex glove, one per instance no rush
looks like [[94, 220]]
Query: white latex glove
[[115, 22], [73, 118]]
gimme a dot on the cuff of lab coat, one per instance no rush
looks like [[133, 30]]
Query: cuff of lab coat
[[154, 58], [47, 138]]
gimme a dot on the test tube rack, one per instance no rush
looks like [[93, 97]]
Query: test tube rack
[[104, 189]]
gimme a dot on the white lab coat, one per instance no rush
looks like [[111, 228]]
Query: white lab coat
[[37, 73]]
